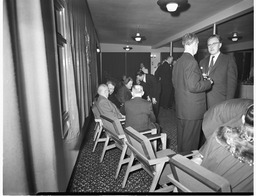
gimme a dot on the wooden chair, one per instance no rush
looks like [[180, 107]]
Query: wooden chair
[[188, 176], [98, 128], [114, 132], [151, 161]]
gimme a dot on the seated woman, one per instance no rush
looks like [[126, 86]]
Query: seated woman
[[124, 92], [229, 153], [228, 113]]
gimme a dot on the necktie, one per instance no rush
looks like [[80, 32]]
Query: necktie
[[211, 65]]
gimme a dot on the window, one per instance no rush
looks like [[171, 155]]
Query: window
[[59, 6]]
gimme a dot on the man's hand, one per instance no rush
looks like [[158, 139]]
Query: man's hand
[[154, 100]]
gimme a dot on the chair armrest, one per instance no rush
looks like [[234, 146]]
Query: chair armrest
[[161, 136], [177, 183], [146, 131], [158, 160], [97, 119], [122, 119], [190, 154], [121, 137]]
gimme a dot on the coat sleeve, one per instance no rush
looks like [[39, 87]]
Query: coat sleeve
[[109, 109], [121, 94], [231, 78], [154, 86], [151, 113], [194, 78]]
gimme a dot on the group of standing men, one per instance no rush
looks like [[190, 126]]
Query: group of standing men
[[199, 88]]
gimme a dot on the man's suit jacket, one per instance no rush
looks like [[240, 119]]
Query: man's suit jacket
[[123, 94], [139, 114], [224, 75], [151, 87], [107, 108], [189, 88]]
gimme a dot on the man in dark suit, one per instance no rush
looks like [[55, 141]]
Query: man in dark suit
[[139, 112], [152, 89], [190, 98], [105, 106], [222, 69], [164, 74], [112, 93]]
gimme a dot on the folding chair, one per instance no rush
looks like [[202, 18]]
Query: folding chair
[[188, 176], [114, 132], [151, 161], [98, 128]]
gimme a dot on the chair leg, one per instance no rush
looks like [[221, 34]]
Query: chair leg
[[122, 160], [97, 138], [105, 148], [96, 129], [159, 169], [128, 170]]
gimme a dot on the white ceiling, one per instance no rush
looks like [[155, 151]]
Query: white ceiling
[[117, 20]]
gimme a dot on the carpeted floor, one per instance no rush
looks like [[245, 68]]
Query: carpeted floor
[[91, 176]]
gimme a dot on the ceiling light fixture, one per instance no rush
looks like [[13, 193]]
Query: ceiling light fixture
[[171, 5], [235, 37], [138, 37], [127, 48]]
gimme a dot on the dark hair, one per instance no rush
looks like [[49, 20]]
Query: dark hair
[[128, 79], [111, 82], [249, 116], [215, 35], [140, 73]]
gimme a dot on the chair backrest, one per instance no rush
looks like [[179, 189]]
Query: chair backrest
[[141, 148], [113, 126], [95, 111], [196, 178]]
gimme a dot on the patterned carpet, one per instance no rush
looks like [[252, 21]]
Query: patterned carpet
[[91, 176]]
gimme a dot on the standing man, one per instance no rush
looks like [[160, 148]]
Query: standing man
[[222, 69], [152, 89], [190, 98], [164, 74]]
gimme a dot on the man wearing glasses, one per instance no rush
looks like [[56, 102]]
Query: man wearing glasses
[[222, 69]]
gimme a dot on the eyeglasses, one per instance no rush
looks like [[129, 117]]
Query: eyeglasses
[[213, 44]]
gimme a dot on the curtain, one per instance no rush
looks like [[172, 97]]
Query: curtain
[[83, 41]]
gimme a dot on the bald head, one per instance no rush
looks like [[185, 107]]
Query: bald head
[[137, 91], [103, 90]]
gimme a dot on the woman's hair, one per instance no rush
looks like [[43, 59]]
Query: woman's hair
[[140, 73], [111, 82], [249, 116], [127, 80], [232, 139]]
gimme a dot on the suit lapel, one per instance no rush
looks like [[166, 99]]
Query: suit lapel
[[216, 64]]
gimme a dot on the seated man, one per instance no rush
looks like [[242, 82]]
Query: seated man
[[224, 112], [139, 112], [229, 153], [112, 95], [105, 106]]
